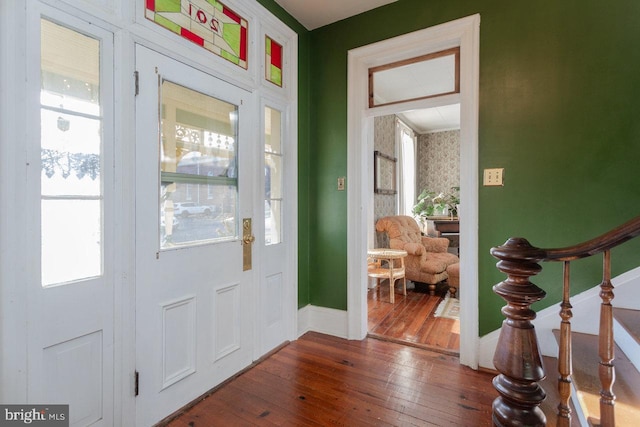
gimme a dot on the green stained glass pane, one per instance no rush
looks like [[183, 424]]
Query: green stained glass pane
[[276, 75], [159, 19], [167, 5], [232, 36], [229, 56]]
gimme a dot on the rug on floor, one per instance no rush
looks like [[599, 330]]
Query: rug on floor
[[449, 308]]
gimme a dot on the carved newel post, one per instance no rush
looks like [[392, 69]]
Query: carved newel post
[[517, 356]]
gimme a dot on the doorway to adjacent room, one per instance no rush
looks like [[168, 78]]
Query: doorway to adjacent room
[[426, 146], [465, 34]]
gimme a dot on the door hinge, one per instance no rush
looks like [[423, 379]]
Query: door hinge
[[136, 76], [136, 385]]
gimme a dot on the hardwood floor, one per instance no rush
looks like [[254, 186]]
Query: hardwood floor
[[320, 380], [410, 319]]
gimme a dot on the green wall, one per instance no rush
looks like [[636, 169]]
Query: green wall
[[559, 92], [559, 95]]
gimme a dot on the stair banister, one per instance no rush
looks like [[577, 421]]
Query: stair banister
[[517, 357]]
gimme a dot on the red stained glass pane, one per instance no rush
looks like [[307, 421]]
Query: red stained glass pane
[[243, 43], [194, 38], [231, 14], [276, 54]]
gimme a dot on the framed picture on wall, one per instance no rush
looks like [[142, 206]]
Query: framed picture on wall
[[384, 173]]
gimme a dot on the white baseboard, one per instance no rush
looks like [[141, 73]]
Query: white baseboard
[[324, 320], [487, 348], [586, 309]]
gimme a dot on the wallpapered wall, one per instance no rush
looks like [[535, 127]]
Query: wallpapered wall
[[438, 161], [384, 141], [438, 164]]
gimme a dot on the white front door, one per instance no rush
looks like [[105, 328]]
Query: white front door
[[196, 157]]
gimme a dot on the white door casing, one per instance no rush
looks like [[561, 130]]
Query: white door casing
[[463, 32]]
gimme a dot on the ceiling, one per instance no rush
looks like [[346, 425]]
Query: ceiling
[[438, 119], [318, 13]]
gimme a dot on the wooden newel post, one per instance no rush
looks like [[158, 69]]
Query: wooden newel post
[[517, 356]]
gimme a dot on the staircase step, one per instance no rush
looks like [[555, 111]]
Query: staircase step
[[627, 333], [586, 380], [550, 386]]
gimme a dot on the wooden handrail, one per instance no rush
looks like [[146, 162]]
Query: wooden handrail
[[517, 355], [604, 242]]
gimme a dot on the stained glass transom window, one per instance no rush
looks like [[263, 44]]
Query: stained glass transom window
[[208, 23], [273, 65]]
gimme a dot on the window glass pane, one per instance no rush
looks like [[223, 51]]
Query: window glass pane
[[198, 133], [408, 172], [430, 75], [199, 221], [273, 179], [198, 201], [273, 176], [71, 155], [71, 240], [273, 138], [70, 73], [272, 222]]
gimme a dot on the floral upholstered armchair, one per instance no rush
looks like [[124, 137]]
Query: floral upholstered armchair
[[427, 258]]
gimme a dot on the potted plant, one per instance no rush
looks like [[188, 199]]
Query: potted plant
[[425, 206], [431, 203], [453, 201]]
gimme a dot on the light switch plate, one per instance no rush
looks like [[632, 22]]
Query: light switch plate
[[493, 177], [341, 180]]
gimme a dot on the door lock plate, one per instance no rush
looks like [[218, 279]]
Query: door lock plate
[[247, 243]]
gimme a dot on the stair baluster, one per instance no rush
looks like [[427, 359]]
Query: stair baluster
[[517, 355], [606, 347], [565, 353]]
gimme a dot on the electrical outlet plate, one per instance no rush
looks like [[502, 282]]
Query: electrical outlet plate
[[341, 183], [493, 177]]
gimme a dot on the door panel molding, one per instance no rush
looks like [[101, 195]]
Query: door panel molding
[[178, 340]]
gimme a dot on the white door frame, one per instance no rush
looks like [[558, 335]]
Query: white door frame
[[464, 32]]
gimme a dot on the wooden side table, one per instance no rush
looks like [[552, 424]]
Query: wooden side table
[[384, 265]]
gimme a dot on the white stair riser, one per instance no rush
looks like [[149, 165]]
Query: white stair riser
[[627, 343]]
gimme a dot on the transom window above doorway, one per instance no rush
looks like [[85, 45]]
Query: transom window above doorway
[[426, 76]]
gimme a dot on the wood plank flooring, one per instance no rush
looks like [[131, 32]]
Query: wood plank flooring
[[320, 380], [410, 319]]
